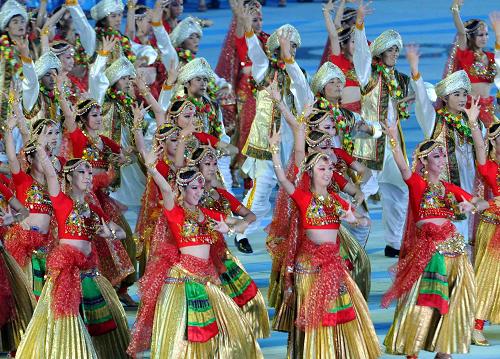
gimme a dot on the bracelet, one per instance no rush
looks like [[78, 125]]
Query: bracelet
[[277, 166], [136, 128], [393, 143], [167, 87], [474, 209], [71, 2], [113, 233], [248, 34], [104, 53], [151, 165], [155, 23], [45, 31], [289, 60], [182, 138], [26, 59], [145, 92], [474, 125], [455, 7], [274, 149]]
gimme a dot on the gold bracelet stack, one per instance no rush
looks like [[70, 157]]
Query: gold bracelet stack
[[274, 149], [393, 143], [474, 125]]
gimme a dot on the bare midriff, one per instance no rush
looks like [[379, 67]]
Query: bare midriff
[[82, 245], [201, 251], [321, 236], [40, 221], [437, 221]]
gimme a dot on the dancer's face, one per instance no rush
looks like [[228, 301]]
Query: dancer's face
[[435, 161], [169, 146], [481, 37], [257, 22], [456, 101], [176, 8], [208, 167], [192, 43], [293, 48], [322, 173], [348, 46], [81, 177], [53, 132], [197, 86], [193, 192], [187, 116], [390, 56], [124, 84], [114, 20], [333, 90], [48, 80], [328, 126], [16, 26], [67, 61], [325, 146], [94, 119], [144, 24]]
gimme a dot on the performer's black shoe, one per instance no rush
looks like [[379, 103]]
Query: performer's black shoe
[[243, 245], [391, 252]]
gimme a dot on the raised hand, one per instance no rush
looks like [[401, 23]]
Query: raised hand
[[172, 73], [363, 10], [108, 43], [22, 45], [275, 138], [391, 131], [284, 38], [330, 6], [465, 206], [495, 24], [246, 18], [473, 111], [413, 57], [139, 111], [221, 226], [348, 215]]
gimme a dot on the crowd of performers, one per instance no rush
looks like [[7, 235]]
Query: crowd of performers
[[94, 120]]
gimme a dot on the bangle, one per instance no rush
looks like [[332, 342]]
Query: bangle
[[104, 53], [289, 60], [71, 2], [136, 128], [151, 165], [155, 23], [26, 59], [277, 166], [145, 92], [415, 77], [182, 137], [393, 143], [45, 31], [455, 7], [248, 33], [360, 26], [113, 233], [167, 87], [474, 125], [274, 149]]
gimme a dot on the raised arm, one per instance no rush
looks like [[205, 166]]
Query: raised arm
[[274, 145], [82, 27], [130, 24], [98, 82], [184, 135], [237, 8], [362, 57], [69, 122], [392, 133], [333, 36], [459, 25], [495, 24], [48, 26], [167, 88], [146, 95], [477, 137], [10, 148], [30, 85], [42, 14], [139, 112], [48, 169], [260, 62], [167, 51], [165, 189]]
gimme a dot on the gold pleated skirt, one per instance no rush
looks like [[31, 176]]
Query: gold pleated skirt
[[24, 305], [487, 270], [418, 328], [352, 340], [67, 338], [234, 340], [357, 255]]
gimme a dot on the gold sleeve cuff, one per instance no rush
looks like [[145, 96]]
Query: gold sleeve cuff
[[415, 77], [497, 46], [167, 87], [289, 60], [104, 53], [156, 23], [26, 60], [71, 2], [248, 34], [360, 26]]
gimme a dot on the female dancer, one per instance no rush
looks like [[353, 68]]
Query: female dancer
[[16, 296], [104, 155], [78, 314], [469, 55], [331, 315], [434, 278], [487, 245], [236, 283], [184, 312], [30, 243]]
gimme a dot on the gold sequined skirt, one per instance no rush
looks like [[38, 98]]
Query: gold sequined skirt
[[67, 338], [234, 339], [487, 269], [352, 340], [418, 328], [24, 304]]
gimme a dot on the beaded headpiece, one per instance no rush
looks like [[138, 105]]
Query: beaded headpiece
[[30, 147], [348, 14], [184, 29], [10, 9], [183, 182], [472, 25], [60, 47], [453, 82], [203, 151], [166, 131], [345, 34], [105, 7], [85, 105], [325, 74], [493, 134], [197, 67], [273, 40], [141, 12], [385, 41], [73, 163], [118, 69], [177, 106], [39, 124], [315, 137], [419, 153], [316, 117], [47, 62]]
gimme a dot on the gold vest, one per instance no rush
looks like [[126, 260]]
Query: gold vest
[[44, 107]]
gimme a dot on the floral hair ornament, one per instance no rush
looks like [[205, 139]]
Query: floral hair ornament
[[196, 175]]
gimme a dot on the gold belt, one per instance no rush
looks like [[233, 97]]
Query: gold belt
[[453, 246]]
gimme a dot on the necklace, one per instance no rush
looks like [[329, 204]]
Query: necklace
[[457, 123]]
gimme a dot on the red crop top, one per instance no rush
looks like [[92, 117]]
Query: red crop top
[[347, 67], [76, 222], [226, 203], [491, 173], [165, 170], [84, 148], [317, 212], [186, 228], [477, 71], [32, 194], [434, 201], [5, 191]]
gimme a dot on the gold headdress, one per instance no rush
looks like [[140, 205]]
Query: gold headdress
[[419, 153], [385, 41], [453, 82], [184, 29], [84, 106], [316, 117], [273, 40], [345, 33], [182, 179], [118, 69], [325, 74], [10, 9], [39, 124], [316, 137], [472, 25], [60, 47], [105, 7], [73, 163], [45, 63], [177, 106], [30, 147], [201, 153], [166, 131], [198, 67], [310, 161]]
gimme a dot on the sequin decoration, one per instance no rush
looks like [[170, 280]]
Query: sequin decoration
[[437, 202], [195, 231], [81, 221], [486, 72], [38, 200], [323, 211], [209, 200]]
